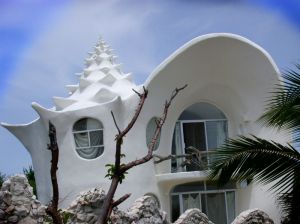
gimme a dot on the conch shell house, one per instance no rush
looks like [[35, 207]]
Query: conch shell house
[[228, 79]]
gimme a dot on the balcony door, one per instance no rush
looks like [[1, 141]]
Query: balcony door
[[194, 138], [200, 129]]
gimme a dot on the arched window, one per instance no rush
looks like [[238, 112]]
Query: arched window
[[217, 203], [88, 137], [151, 127], [200, 129]]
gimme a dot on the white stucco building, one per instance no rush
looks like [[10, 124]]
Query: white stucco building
[[228, 79]]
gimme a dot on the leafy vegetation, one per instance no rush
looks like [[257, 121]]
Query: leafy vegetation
[[2, 178], [247, 158], [29, 173]]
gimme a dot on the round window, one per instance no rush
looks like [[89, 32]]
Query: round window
[[88, 137]]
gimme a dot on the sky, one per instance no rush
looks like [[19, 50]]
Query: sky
[[44, 43]]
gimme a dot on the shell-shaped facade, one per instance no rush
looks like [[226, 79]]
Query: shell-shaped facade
[[101, 81], [225, 73]]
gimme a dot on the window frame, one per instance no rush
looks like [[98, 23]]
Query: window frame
[[207, 150], [205, 131], [204, 192], [88, 136]]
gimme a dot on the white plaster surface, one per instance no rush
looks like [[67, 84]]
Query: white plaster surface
[[226, 70]]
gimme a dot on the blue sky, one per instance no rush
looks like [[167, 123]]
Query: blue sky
[[43, 43]]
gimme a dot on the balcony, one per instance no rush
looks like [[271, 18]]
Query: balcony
[[193, 160]]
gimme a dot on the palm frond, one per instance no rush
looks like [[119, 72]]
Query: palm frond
[[258, 159], [289, 202], [283, 109]]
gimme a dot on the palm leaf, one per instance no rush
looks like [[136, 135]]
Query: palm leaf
[[258, 159], [283, 109], [289, 202], [267, 161]]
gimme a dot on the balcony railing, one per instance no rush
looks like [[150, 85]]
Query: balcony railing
[[194, 160]]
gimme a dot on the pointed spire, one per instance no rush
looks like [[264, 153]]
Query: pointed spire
[[43, 112], [102, 47], [128, 77], [61, 103], [89, 61], [98, 59], [79, 74], [109, 79], [105, 70], [83, 83], [99, 81], [117, 66], [112, 59], [87, 72], [104, 95], [71, 88], [90, 53]]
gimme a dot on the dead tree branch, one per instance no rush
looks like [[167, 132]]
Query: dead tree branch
[[113, 116], [164, 158], [121, 200], [194, 157], [159, 125], [52, 208], [120, 170]]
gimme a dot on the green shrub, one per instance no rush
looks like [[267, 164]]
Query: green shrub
[[29, 173]]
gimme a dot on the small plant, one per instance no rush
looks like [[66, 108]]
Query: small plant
[[65, 215], [29, 173], [2, 178], [111, 171]]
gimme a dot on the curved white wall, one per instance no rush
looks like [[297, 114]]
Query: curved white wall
[[225, 70]]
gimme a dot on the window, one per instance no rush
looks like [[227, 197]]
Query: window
[[88, 136], [150, 130], [200, 129], [217, 204]]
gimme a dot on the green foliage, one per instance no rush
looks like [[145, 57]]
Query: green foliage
[[2, 178], [65, 216], [266, 161], [258, 159], [111, 172], [29, 173], [48, 219], [283, 110]]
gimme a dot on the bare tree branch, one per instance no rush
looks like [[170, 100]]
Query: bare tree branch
[[108, 202], [137, 93], [120, 200], [119, 171], [113, 116], [52, 208], [143, 97], [161, 122], [162, 158]]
